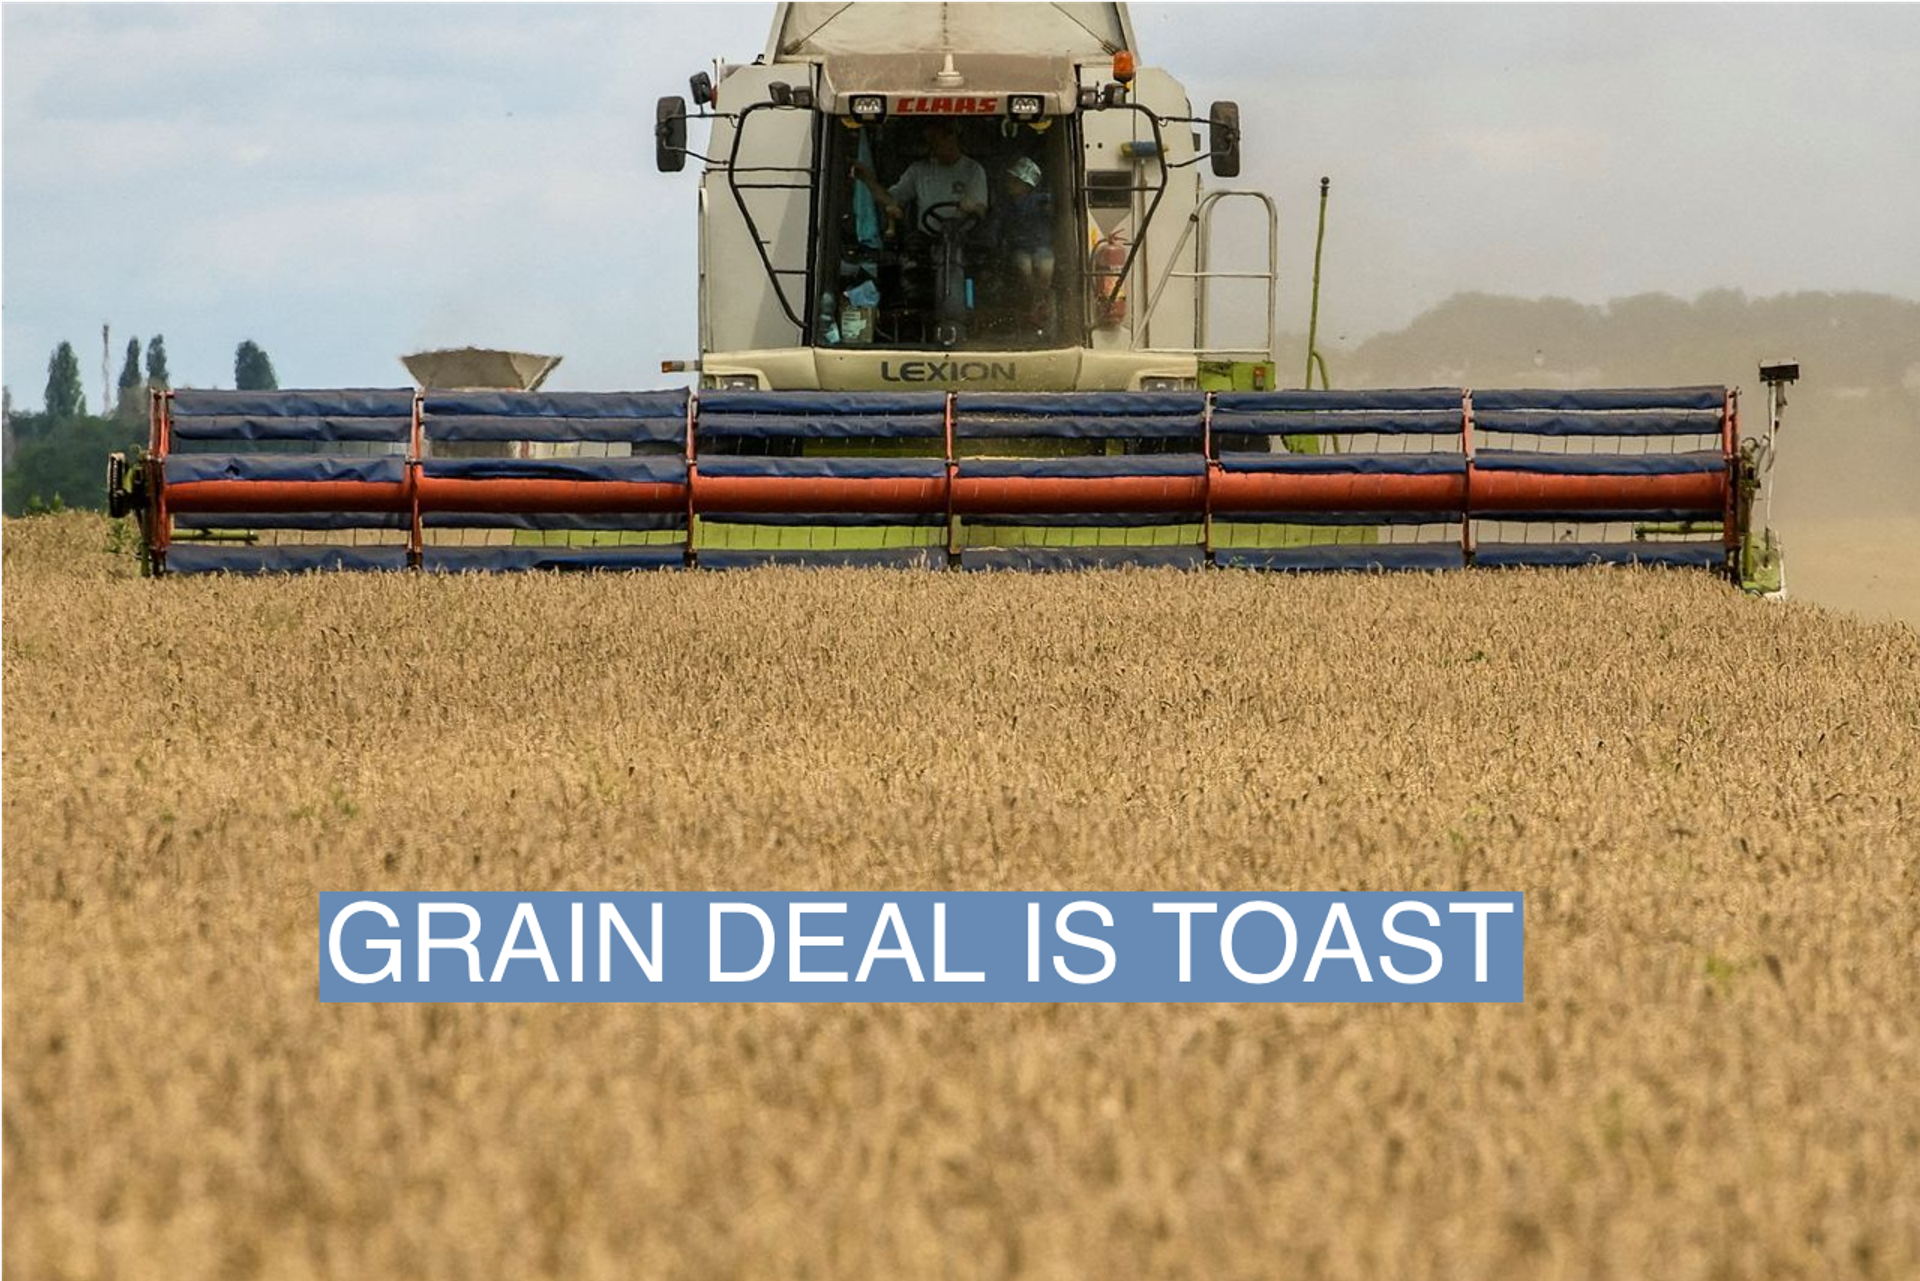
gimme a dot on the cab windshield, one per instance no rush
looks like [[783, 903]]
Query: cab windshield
[[952, 234]]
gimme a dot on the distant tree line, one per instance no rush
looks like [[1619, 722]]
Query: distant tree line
[[58, 456]]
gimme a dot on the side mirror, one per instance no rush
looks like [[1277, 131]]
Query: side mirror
[[1223, 138], [700, 87], [670, 135]]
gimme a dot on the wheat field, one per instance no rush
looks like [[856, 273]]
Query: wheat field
[[1712, 804]]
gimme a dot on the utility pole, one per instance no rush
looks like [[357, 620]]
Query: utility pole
[[106, 371]]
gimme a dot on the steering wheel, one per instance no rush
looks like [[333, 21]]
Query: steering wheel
[[934, 223]]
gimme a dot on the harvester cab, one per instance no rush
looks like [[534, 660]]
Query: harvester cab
[[957, 284], [988, 197]]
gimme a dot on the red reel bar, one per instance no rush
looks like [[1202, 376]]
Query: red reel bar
[[1229, 492], [781, 495], [1336, 492], [1078, 495], [1510, 491]]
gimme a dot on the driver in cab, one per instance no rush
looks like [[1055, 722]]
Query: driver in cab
[[946, 181]]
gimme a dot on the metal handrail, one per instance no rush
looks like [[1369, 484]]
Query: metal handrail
[[1199, 230]]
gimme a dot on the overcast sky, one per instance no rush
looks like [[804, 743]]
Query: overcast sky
[[345, 183]]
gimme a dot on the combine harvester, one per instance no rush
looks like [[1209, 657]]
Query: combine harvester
[[957, 284]]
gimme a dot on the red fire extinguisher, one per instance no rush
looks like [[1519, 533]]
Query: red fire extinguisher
[[1110, 293]]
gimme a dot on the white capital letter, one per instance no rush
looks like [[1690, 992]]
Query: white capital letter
[[524, 915], [941, 974], [1428, 946], [1480, 911], [576, 915], [889, 914], [1351, 952], [611, 920], [1098, 945], [717, 910], [463, 944], [1226, 941], [1185, 912], [796, 940], [391, 946], [1033, 942]]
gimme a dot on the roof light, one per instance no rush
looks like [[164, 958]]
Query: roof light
[[1123, 66], [868, 108], [1026, 106]]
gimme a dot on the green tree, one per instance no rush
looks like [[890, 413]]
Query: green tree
[[252, 370], [64, 463], [157, 363], [65, 399], [132, 403]]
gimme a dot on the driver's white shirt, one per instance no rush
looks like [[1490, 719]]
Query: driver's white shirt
[[928, 183]]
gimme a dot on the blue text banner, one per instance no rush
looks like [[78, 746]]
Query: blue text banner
[[921, 946]]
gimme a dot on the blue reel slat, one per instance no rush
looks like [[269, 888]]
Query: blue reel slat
[[1679, 464], [558, 404], [454, 560], [647, 469], [826, 404], [1535, 398], [976, 427], [1082, 404], [821, 415], [1345, 556], [1691, 555], [1078, 415], [241, 428], [879, 557], [1678, 422], [1406, 422], [748, 465], [1340, 464], [1265, 402], [1098, 465], [1029, 559], [227, 558], [822, 427], [639, 431], [293, 403], [185, 468]]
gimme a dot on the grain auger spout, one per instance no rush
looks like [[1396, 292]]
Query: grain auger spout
[[960, 306]]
